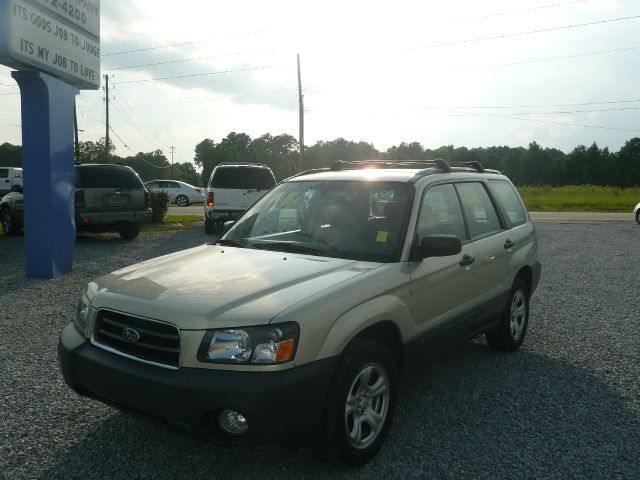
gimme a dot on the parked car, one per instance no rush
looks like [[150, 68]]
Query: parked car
[[233, 188], [108, 198], [9, 176], [180, 193], [296, 324], [636, 212]]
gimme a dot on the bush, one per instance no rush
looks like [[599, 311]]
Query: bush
[[159, 205]]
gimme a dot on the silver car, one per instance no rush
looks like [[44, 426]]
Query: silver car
[[297, 322], [108, 198]]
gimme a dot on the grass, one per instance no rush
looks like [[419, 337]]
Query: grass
[[580, 198], [172, 223]]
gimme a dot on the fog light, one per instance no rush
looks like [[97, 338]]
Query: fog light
[[232, 422]]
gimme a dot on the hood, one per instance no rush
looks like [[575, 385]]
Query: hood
[[212, 286]]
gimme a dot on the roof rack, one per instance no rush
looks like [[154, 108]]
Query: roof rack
[[437, 165]]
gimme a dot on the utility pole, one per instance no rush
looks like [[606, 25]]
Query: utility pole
[[106, 97], [172, 149], [75, 125], [301, 121]]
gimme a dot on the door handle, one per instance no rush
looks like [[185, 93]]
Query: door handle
[[466, 261], [509, 244]]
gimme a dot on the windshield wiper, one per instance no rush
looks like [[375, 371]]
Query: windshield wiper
[[294, 248], [230, 243]]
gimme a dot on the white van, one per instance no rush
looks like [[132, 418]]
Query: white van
[[9, 176], [232, 189]]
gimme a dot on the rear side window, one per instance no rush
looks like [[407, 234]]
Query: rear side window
[[509, 202], [4, 173], [243, 178], [106, 177], [478, 209]]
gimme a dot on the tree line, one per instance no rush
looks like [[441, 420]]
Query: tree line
[[533, 165]]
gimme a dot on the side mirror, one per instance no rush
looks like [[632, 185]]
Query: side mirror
[[16, 188], [437, 246], [227, 225]]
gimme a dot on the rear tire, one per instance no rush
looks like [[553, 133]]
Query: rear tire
[[638, 216], [209, 226], [509, 335], [129, 232], [182, 201], [9, 226], [360, 404]]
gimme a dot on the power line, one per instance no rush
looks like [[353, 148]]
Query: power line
[[517, 34], [139, 123], [209, 99], [540, 60], [511, 12], [190, 59], [219, 72], [181, 44], [557, 122], [440, 107]]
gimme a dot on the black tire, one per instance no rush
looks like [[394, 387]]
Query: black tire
[[638, 216], [130, 231], [345, 404], [9, 226], [509, 335], [182, 201], [209, 226], [217, 227]]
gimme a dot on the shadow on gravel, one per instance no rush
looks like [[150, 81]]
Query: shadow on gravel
[[473, 413]]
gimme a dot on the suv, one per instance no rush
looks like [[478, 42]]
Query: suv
[[314, 301], [108, 198], [9, 176], [232, 189]]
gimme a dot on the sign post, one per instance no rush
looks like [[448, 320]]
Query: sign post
[[56, 48]]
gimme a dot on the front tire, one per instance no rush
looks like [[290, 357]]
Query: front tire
[[360, 404], [8, 225], [638, 216], [182, 201], [129, 232], [509, 335]]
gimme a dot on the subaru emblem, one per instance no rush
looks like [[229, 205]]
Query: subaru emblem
[[130, 335]]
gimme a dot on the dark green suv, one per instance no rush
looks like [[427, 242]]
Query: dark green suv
[[108, 198]]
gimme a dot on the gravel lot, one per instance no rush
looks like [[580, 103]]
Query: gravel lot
[[567, 405]]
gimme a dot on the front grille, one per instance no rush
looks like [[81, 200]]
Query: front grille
[[146, 340]]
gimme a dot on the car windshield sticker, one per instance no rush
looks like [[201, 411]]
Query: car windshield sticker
[[382, 236]]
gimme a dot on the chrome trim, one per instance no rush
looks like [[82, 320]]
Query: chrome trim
[[126, 355], [132, 357]]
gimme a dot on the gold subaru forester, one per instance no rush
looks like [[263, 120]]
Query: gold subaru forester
[[296, 323]]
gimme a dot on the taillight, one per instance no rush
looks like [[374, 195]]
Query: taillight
[[147, 199], [210, 200], [198, 190], [79, 199]]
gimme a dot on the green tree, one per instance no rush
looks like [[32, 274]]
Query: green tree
[[10, 155]]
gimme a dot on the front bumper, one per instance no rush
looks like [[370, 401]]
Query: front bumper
[[279, 406]]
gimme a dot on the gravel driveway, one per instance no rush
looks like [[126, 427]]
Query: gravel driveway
[[567, 405]]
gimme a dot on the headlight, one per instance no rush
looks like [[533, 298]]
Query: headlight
[[82, 314], [264, 345]]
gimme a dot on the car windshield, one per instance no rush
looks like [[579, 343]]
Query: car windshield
[[346, 219]]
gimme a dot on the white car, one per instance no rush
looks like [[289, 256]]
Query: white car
[[180, 193], [636, 212]]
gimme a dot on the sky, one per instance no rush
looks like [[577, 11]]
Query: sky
[[562, 73]]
